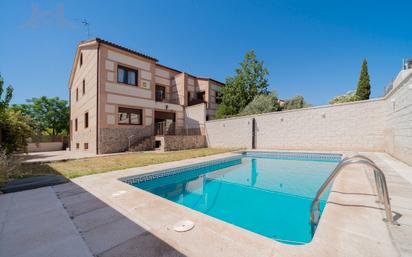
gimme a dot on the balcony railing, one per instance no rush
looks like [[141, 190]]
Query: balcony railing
[[166, 128], [168, 101], [196, 101]]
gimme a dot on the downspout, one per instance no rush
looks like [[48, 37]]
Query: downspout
[[97, 98], [253, 133]]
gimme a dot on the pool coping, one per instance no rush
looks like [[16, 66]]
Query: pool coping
[[158, 215]]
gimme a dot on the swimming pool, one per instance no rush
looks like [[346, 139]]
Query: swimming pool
[[268, 193]]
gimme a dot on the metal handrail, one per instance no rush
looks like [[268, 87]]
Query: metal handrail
[[380, 181], [129, 138]]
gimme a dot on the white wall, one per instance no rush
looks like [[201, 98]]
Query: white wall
[[44, 147], [195, 116], [229, 132], [398, 133], [86, 102], [332, 127]]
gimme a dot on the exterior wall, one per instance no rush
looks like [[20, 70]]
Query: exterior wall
[[104, 95], [333, 127], [165, 77], [214, 89], [180, 85], [114, 140], [174, 143], [86, 102], [398, 133], [195, 117], [191, 88], [112, 136], [211, 90]]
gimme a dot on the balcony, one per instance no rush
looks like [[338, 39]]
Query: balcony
[[196, 101]]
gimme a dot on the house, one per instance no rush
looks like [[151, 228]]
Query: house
[[120, 97]]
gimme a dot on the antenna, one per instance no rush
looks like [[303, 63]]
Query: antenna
[[87, 25]]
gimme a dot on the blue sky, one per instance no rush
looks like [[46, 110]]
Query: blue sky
[[310, 48]]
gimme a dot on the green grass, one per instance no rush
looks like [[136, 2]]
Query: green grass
[[94, 165]]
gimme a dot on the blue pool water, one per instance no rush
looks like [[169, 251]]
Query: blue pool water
[[269, 195]]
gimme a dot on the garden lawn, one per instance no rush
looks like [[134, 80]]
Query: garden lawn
[[94, 165]]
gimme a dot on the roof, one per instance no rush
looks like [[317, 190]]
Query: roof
[[119, 47], [167, 67], [216, 81], [142, 55]]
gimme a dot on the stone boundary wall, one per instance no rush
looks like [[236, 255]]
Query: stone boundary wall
[[44, 147], [352, 126], [398, 132], [383, 125], [174, 143]]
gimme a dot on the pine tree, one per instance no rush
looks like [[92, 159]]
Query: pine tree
[[363, 90]]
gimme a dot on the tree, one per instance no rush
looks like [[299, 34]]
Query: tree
[[250, 80], [262, 103], [348, 97], [14, 128], [4, 102], [296, 102], [363, 90], [48, 115]]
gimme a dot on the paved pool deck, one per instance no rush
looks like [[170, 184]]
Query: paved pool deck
[[99, 215]]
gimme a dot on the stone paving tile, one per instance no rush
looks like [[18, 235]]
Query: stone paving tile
[[36, 232], [400, 192], [70, 191], [77, 198], [109, 235], [5, 203], [95, 218], [144, 245], [403, 235], [85, 206], [31, 203], [72, 246], [65, 187], [40, 232]]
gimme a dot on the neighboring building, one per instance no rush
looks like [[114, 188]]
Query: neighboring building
[[117, 94]]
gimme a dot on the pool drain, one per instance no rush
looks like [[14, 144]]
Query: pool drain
[[183, 226]]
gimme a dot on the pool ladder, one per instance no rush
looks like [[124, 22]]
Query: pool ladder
[[380, 182]]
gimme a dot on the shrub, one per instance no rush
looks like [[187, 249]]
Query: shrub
[[261, 104]]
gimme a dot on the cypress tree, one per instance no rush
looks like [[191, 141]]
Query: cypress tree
[[363, 90]]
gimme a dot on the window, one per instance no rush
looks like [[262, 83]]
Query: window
[[188, 97], [86, 146], [77, 94], [129, 116], [126, 76], [160, 93], [201, 95], [86, 120], [81, 59], [75, 124], [84, 86], [218, 97], [77, 145]]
